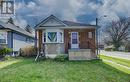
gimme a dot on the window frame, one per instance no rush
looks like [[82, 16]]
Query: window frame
[[90, 35], [53, 38], [5, 36], [44, 37], [59, 40]]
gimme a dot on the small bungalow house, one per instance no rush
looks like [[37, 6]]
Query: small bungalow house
[[15, 37], [65, 37]]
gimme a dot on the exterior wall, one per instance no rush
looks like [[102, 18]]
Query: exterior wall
[[10, 39], [51, 48], [84, 41], [82, 54], [20, 41], [16, 40], [59, 48]]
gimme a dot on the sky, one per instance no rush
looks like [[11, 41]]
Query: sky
[[33, 11]]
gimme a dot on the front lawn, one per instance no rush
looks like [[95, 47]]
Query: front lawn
[[26, 70]]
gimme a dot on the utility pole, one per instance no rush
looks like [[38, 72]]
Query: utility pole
[[97, 36]]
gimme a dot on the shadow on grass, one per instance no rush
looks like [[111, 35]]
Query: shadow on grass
[[19, 61]]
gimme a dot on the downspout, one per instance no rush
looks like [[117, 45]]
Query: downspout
[[36, 38]]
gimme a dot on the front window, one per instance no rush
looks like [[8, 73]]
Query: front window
[[52, 36], [3, 37]]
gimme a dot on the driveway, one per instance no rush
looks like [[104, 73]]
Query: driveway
[[124, 55]]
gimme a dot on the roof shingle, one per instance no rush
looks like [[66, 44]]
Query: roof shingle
[[15, 28]]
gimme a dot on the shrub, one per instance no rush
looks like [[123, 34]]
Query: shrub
[[8, 57], [61, 58], [108, 49], [28, 51], [5, 51]]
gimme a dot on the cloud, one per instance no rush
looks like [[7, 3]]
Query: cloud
[[34, 10], [64, 9], [122, 7], [115, 8], [20, 22]]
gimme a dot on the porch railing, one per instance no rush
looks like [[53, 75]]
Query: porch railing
[[89, 45]]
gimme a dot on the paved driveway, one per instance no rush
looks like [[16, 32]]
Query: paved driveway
[[125, 55]]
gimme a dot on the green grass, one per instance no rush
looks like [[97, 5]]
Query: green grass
[[117, 63], [26, 70], [117, 60]]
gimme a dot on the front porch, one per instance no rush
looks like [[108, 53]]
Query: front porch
[[80, 54]]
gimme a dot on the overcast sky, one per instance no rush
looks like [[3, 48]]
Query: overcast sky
[[33, 11]]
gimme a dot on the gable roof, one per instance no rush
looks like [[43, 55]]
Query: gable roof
[[48, 18], [64, 23], [15, 28]]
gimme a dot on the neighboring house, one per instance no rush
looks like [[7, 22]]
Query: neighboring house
[[60, 37], [15, 37]]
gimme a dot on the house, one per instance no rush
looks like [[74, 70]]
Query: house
[[65, 37], [15, 37]]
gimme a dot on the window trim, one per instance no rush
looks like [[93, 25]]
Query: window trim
[[5, 38], [90, 36], [57, 35]]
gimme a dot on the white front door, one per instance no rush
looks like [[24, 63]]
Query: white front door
[[74, 40]]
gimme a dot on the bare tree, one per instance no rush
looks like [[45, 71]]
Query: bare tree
[[118, 32]]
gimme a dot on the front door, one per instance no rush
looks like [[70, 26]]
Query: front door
[[74, 40]]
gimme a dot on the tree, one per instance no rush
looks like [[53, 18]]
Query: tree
[[118, 32], [10, 20], [127, 46]]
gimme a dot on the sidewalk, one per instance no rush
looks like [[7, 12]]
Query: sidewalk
[[123, 55], [117, 64]]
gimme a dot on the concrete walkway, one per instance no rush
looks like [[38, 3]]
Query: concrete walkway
[[124, 55]]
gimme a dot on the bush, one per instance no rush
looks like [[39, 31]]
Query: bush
[[8, 57], [108, 49], [61, 58], [28, 51], [4, 51]]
